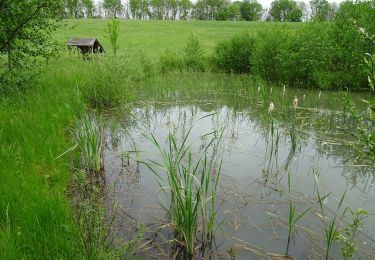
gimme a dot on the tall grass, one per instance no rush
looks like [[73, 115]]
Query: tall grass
[[90, 139], [192, 190]]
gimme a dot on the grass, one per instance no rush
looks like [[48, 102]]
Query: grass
[[191, 187], [152, 37], [90, 140], [34, 210]]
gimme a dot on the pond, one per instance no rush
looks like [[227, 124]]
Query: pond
[[257, 152]]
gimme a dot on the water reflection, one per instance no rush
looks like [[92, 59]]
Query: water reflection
[[253, 199]]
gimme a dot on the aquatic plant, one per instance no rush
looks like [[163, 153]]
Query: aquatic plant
[[358, 216], [293, 216], [330, 229], [89, 137], [191, 188], [295, 102]]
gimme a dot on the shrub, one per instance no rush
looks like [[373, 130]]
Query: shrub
[[234, 55], [194, 58], [308, 58], [266, 55]]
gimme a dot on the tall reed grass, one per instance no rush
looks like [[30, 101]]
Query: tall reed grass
[[191, 186], [90, 139]]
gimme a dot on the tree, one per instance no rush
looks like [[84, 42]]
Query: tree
[[184, 8], [319, 10], [113, 32], [88, 8], [285, 11], [113, 7], [251, 10], [25, 37]]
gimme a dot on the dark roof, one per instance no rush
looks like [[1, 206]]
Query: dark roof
[[82, 42]]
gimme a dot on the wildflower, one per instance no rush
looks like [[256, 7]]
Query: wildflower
[[271, 107], [361, 30], [295, 102]]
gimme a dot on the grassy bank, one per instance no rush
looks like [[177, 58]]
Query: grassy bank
[[35, 220]]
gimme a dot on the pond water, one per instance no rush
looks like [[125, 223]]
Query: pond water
[[253, 197]]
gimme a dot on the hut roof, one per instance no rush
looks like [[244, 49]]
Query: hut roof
[[82, 42]]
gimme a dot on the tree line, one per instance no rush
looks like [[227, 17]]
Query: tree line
[[247, 10]]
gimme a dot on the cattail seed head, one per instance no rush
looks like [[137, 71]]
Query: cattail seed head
[[295, 102], [271, 107]]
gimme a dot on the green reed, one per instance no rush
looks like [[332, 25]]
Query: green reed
[[294, 217], [89, 136], [330, 229], [192, 189]]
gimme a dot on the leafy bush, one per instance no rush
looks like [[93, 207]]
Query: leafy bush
[[234, 55], [308, 58], [266, 55]]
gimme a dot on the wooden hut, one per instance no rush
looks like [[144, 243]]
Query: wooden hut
[[86, 46]]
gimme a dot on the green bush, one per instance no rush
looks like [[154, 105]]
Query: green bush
[[308, 58], [266, 55], [234, 55]]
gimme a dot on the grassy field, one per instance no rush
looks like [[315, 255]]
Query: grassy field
[[152, 37]]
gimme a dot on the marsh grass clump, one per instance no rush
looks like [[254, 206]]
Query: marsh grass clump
[[111, 82], [190, 59], [90, 140], [191, 186]]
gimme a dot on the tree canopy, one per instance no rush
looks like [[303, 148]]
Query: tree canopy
[[25, 36], [285, 11]]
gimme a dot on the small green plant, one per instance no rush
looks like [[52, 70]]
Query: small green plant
[[348, 249], [89, 136], [293, 216], [330, 229], [113, 32], [194, 55]]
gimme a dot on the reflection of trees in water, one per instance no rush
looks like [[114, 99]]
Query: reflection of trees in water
[[324, 128]]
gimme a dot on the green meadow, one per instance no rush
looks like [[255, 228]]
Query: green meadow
[[152, 37]]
